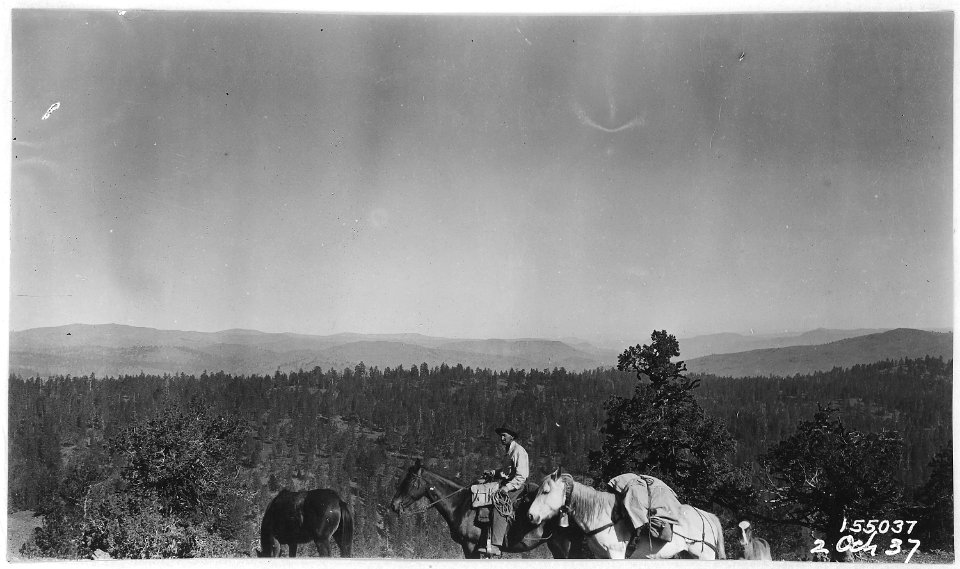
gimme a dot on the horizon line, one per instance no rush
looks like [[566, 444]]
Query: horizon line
[[517, 338]]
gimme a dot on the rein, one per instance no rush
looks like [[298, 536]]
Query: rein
[[435, 502]]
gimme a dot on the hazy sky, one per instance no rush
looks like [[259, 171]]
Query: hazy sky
[[482, 176]]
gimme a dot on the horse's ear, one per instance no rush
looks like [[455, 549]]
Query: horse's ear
[[555, 474]]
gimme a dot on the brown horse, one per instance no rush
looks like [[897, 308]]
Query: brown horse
[[452, 500], [293, 518]]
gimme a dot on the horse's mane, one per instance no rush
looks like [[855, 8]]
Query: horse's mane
[[445, 477], [588, 504]]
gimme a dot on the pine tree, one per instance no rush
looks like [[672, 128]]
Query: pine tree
[[935, 500], [662, 431]]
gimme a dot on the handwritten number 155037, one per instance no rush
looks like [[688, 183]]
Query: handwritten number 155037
[[848, 543]]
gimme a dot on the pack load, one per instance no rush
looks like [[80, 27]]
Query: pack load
[[483, 493]]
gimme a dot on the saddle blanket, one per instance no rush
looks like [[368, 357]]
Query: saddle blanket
[[483, 493]]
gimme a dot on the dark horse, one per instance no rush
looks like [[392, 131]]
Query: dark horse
[[300, 517], [452, 499]]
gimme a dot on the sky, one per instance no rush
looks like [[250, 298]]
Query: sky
[[482, 176]]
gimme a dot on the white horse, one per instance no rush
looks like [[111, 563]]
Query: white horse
[[754, 548], [698, 534]]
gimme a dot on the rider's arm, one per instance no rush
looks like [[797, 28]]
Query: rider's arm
[[521, 469]]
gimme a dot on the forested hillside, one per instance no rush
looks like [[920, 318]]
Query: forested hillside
[[806, 359], [353, 429], [116, 350]]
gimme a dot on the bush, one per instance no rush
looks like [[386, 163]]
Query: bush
[[131, 526], [826, 473], [186, 461]]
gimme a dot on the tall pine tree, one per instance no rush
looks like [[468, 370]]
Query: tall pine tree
[[662, 431]]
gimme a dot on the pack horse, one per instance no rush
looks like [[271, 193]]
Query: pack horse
[[293, 518], [698, 533]]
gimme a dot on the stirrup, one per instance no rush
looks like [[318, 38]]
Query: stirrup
[[489, 555]]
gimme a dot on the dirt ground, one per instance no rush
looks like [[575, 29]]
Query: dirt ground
[[20, 526]]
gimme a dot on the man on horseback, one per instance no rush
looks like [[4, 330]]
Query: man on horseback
[[513, 474], [642, 494]]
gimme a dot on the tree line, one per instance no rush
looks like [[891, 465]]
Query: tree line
[[183, 465]]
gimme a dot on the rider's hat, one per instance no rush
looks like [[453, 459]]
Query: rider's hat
[[504, 429]]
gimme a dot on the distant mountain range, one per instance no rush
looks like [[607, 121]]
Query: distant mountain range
[[698, 346], [112, 349], [804, 359]]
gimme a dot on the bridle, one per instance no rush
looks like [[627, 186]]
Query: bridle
[[566, 509], [420, 483]]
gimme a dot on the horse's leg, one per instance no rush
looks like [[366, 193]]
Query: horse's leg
[[293, 549], [322, 526], [323, 547], [646, 547], [617, 550], [605, 546], [671, 548], [559, 548], [575, 549]]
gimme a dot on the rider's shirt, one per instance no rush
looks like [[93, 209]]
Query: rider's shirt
[[516, 467]]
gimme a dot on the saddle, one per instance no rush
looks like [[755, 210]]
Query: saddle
[[486, 499]]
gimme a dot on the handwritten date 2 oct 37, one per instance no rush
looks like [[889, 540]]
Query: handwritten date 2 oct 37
[[870, 529]]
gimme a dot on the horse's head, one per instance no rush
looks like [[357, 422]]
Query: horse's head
[[549, 500], [411, 488], [746, 533]]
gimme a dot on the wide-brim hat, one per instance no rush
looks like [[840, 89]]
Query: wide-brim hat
[[504, 429]]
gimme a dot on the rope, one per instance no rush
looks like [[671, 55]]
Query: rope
[[503, 504], [703, 541], [703, 534]]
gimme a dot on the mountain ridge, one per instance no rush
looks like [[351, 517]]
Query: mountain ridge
[[120, 349], [805, 359]]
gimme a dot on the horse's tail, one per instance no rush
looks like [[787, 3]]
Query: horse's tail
[[721, 551], [344, 533]]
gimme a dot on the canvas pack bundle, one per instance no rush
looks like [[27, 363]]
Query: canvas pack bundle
[[483, 493]]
